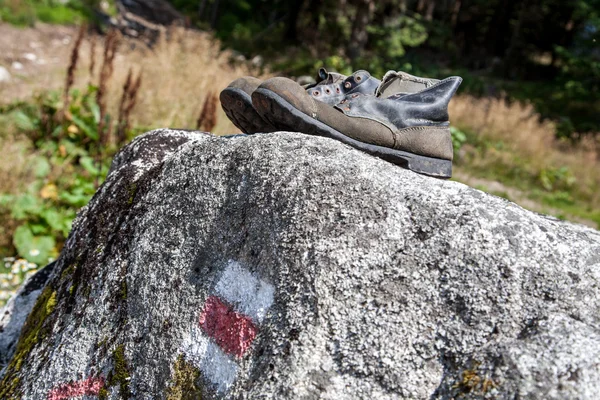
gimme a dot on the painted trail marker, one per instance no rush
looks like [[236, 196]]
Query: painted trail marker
[[232, 331], [89, 387], [228, 324]]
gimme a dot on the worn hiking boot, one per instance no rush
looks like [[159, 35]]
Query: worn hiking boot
[[331, 89], [408, 129]]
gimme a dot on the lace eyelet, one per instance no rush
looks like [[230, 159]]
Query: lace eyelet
[[358, 78], [347, 85], [327, 91], [337, 90], [316, 93]]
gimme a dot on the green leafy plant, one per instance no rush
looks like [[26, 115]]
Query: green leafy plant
[[68, 166], [556, 178], [458, 138], [73, 141]]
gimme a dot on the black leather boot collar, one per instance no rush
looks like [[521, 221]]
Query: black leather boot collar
[[428, 107]]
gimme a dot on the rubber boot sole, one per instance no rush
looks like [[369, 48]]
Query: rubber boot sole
[[281, 113], [237, 105]]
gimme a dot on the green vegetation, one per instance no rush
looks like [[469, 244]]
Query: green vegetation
[[72, 139], [123, 291], [554, 189], [542, 51], [27, 12], [69, 165]]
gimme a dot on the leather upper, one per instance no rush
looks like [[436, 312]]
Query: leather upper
[[335, 88], [428, 107], [293, 93]]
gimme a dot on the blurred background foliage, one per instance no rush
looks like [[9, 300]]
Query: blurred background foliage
[[545, 51], [526, 124]]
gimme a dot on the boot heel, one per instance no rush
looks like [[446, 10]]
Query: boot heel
[[237, 105], [429, 166]]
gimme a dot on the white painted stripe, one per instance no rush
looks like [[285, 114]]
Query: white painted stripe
[[249, 295], [204, 354], [218, 367], [194, 346]]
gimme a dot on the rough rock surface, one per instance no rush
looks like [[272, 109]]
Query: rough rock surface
[[15, 312], [287, 266]]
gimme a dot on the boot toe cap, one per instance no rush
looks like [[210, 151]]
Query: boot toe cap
[[246, 83], [291, 92]]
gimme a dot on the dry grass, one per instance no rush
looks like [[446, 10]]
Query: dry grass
[[207, 119], [517, 127], [179, 74], [72, 67], [127, 104]]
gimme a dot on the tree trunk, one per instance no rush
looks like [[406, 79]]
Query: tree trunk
[[430, 8], [201, 8], [402, 6], [359, 36], [455, 12], [511, 51], [215, 14], [291, 33]]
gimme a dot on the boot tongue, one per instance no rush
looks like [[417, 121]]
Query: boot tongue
[[402, 83], [327, 78]]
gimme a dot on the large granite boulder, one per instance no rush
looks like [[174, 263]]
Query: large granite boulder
[[283, 266]]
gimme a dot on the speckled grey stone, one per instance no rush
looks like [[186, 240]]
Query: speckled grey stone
[[388, 284], [16, 310]]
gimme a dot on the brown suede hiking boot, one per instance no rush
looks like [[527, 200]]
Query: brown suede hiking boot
[[408, 129], [331, 89]]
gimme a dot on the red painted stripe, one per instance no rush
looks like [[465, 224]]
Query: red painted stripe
[[89, 386], [232, 331]]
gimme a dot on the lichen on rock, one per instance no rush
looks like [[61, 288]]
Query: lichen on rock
[[184, 384]]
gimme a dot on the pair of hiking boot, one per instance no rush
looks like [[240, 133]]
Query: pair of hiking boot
[[402, 118]]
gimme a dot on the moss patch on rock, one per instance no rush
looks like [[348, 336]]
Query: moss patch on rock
[[34, 330], [131, 190], [184, 379], [119, 376], [123, 291]]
